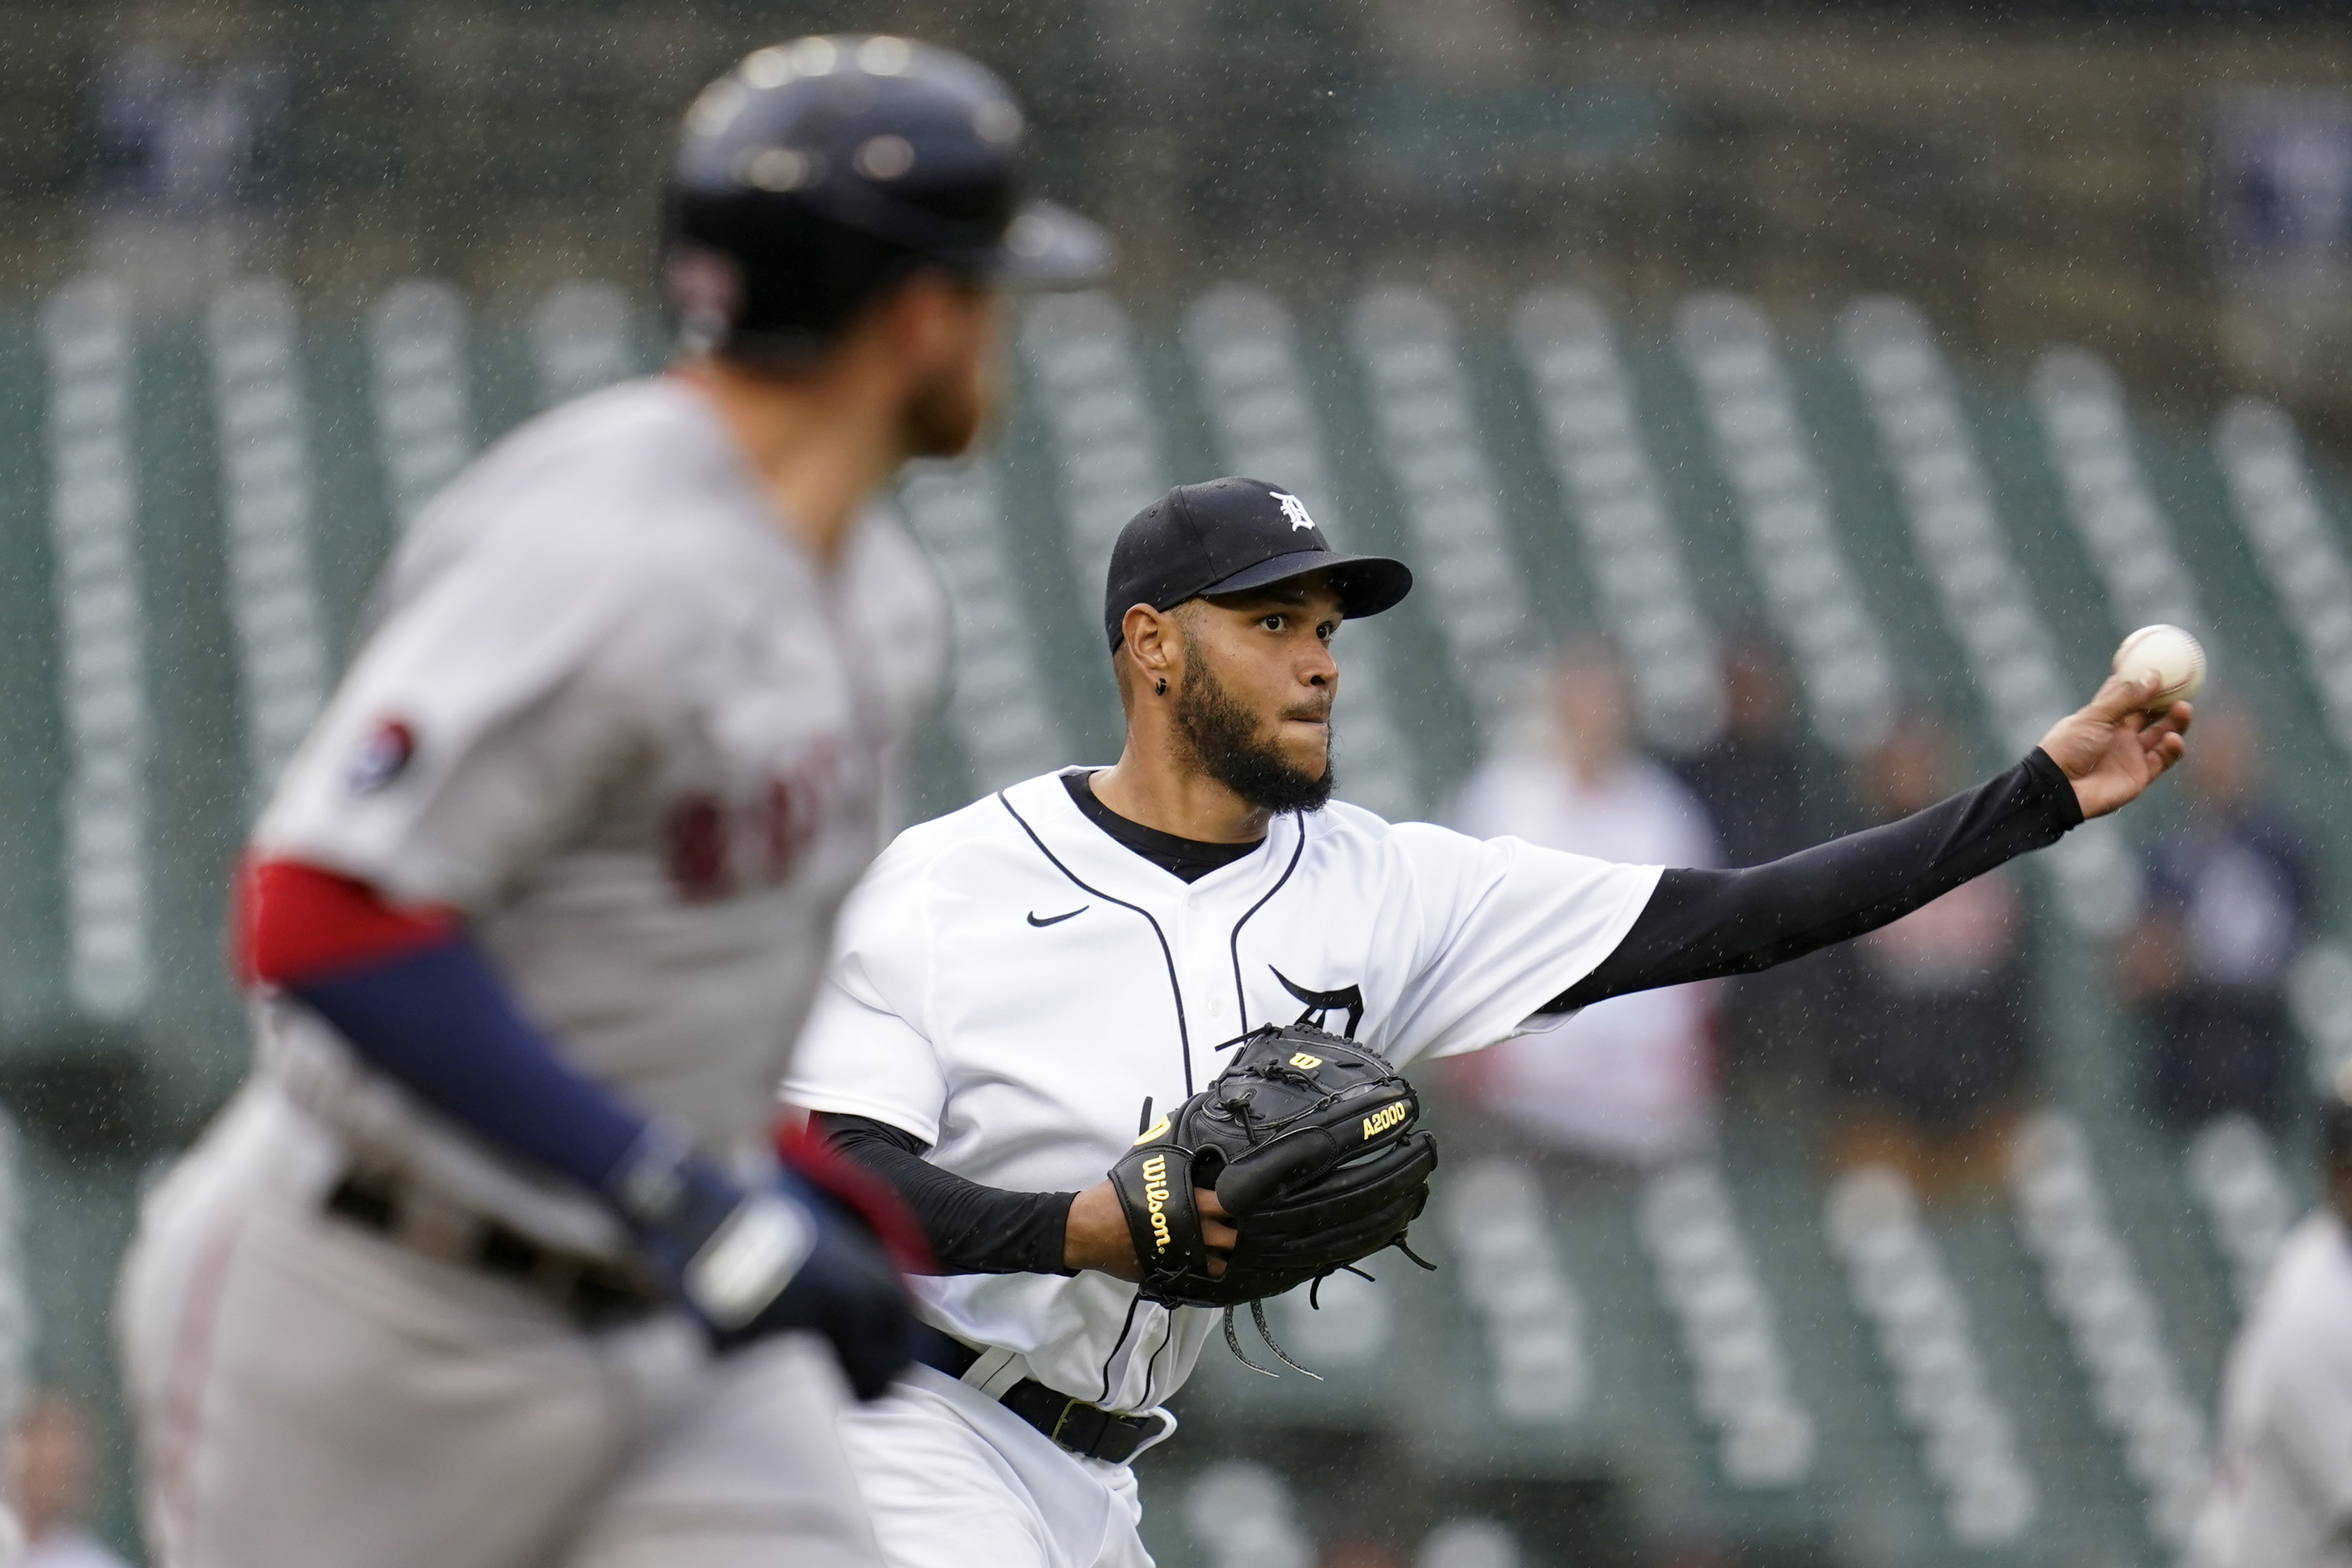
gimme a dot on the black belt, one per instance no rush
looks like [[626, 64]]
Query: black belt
[[1087, 1430], [594, 1292]]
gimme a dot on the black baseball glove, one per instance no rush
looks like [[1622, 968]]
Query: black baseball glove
[[1309, 1141]]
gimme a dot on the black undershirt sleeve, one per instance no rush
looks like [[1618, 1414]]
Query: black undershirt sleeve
[[973, 1230], [1700, 925]]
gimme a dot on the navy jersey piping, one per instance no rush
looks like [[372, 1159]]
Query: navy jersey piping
[[1125, 1328], [1151, 1367], [1240, 997], [1175, 986]]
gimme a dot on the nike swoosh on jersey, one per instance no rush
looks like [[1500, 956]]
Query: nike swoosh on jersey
[[1057, 919]]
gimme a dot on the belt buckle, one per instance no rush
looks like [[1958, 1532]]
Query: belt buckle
[[1062, 1420]]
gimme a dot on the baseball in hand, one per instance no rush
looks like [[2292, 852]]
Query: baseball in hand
[[2176, 658]]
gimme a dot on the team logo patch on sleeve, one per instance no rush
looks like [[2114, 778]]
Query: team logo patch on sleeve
[[383, 756]]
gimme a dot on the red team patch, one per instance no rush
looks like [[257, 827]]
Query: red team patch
[[383, 756]]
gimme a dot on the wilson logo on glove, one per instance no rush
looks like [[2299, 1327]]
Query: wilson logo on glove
[[1155, 1198], [1307, 1139]]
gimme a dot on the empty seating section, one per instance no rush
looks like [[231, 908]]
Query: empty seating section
[[1245, 351], [94, 495], [1106, 440], [998, 707], [1496, 1223], [424, 406], [1430, 444], [2297, 545], [1728, 1327], [2234, 1172], [580, 342], [268, 506], [2095, 1287], [1593, 437], [1810, 592], [1756, 1348], [1921, 1322], [2087, 430]]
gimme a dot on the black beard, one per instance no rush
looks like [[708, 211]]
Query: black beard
[[1222, 736]]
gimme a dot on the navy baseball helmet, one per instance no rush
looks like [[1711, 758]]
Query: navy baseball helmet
[[818, 174]]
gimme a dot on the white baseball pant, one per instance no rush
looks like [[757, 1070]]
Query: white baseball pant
[[952, 1478], [308, 1393]]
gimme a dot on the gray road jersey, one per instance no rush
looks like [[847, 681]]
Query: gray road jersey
[[640, 739]]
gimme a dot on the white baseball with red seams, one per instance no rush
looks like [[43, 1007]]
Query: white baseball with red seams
[[2171, 655], [643, 743]]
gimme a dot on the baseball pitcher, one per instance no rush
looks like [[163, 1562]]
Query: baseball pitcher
[[1129, 1039]]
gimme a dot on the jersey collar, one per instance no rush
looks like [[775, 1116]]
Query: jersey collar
[[1093, 856]]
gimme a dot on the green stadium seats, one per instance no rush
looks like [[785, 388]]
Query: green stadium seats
[[1903, 1286], [268, 506], [94, 505], [1810, 594], [1432, 448], [1244, 349], [1592, 435]]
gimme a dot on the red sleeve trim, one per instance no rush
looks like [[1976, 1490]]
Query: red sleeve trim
[[294, 922]]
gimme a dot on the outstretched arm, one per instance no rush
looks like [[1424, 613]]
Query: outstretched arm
[[1701, 925]]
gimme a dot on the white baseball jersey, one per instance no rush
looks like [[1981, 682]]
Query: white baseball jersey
[[2281, 1493], [644, 742], [1010, 983], [1626, 1077]]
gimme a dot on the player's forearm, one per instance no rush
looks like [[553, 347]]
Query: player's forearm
[[972, 1228], [417, 1000], [1700, 925], [439, 1023]]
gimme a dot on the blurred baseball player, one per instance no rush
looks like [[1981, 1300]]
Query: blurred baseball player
[[2281, 1493], [492, 1262], [1015, 980]]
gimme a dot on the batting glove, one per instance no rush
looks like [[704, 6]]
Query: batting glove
[[784, 1256]]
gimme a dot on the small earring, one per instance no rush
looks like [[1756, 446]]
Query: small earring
[[1160, 690]]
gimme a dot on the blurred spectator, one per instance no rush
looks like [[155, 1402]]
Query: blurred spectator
[[1628, 1078], [55, 1456], [183, 138], [1765, 792], [1769, 794], [1357, 1551], [1938, 1043], [185, 131], [2230, 907]]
